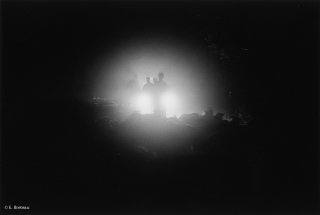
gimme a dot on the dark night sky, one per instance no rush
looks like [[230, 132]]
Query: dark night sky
[[48, 47]]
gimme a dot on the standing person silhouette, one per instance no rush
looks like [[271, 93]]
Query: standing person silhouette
[[133, 84], [160, 88], [148, 90], [148, 87]]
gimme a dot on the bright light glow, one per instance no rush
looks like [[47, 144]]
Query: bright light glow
[[144, 104], [192, 80], [169, 102]]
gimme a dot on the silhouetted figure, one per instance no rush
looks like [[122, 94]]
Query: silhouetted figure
[[148, 87], [148, 90], [155, 81], [133, 84], [160, 87]]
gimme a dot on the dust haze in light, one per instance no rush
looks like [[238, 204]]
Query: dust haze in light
[[191, 75]]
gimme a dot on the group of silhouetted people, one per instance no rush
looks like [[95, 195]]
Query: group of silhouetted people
[[154, 88], [155, 91]]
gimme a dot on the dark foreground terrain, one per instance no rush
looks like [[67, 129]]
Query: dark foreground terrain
[[73, 161]]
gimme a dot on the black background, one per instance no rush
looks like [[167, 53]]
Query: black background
[[49, 158]]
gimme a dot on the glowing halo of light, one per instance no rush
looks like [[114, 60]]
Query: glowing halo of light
[[144, 103], [169, 102], [194, 82]]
